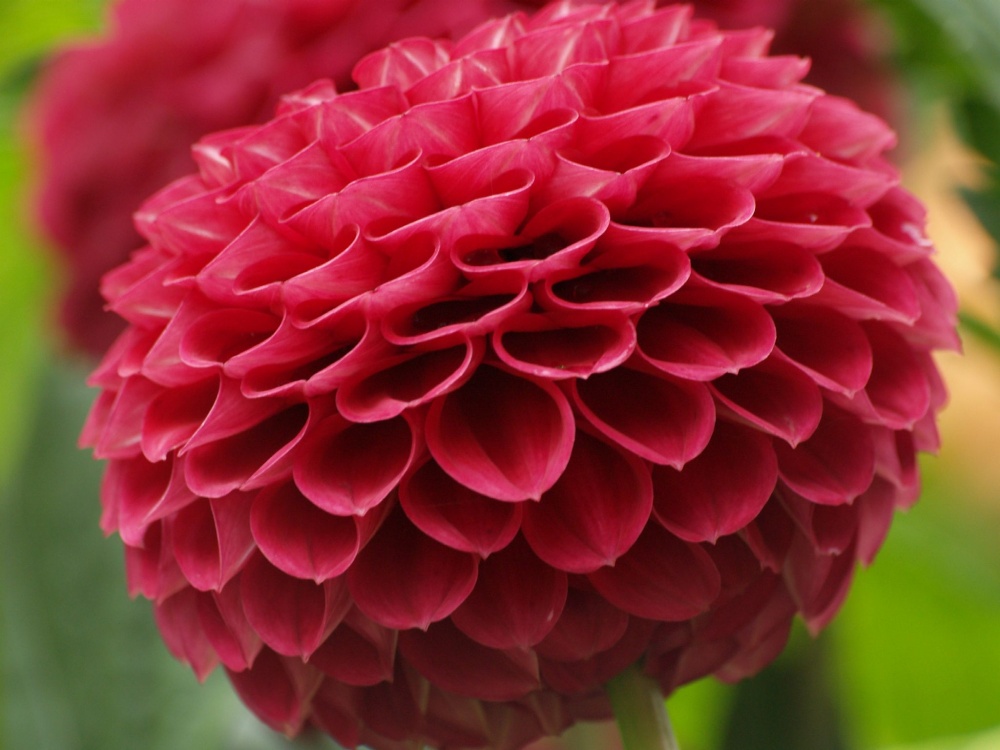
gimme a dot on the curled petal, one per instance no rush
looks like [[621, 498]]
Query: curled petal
[[833, 466], [826, 345], [661, 419], [721, 490], [587, 625], [342, 472], [404, 579], [292, 616], [302, 540], [455, 515], [660, 578], [212, 540], [538, 346], [700, 335], [412, 382], [516, 601], [596, 510], [774, 397], [177, 619], [278, 690], [359, 652], [442, 654], [502, 436]]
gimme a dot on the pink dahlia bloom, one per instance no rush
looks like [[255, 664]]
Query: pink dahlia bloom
[[591, 339]]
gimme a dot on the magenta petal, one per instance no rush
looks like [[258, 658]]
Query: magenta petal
[[278, 690], [764, 271], [502, 436], [414, 381], [177, 619], [174, 416], [516, 601], [136, 493], [661, 419], [443, 655], [833, 466], [539, 346], [456, 516], [300, 539], [587, 626], [358, 652], [721, 490], [218, 468], [660, 578], [774, 397], [404, 579], [702, 334], [596, 510], [291, 616], [221, 617], [826, 345], [349, 469], [212, 540]]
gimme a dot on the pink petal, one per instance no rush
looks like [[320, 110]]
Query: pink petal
[[516, 601], [413, 381], [774, 397], [833, 466], [177, 620], [865, 284], [661, 419], [358, 652], [300, 539], [174, 416], [340, 470], [596, 510], [278, 690], [456, 516], [292, 616], [825, 345], [443, 655], [220, 467], [151, 569], [539, 346], [700, 334], [721, 490], [404, 579], [211, 540], [136, 493], [764, 272], [221, 617], [502, 436], [817, 582], [586, 626], [660, 578]]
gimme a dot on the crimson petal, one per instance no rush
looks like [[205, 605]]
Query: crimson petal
[[342, 473], [661, 419], [596, 510], [456, 516], [404, 579], [291, 616], [721, 490], [502, 436], [443, 654], [516, 601], [661, 578]]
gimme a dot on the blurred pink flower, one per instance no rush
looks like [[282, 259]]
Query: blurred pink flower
[[591, 338]]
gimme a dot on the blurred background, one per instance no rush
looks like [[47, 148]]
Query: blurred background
[[911, 663]]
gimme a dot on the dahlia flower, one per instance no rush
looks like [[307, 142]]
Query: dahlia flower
[[592, 339], [114, 119]]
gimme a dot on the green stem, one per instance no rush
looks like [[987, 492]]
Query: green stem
[[979, 328], [640, 712]]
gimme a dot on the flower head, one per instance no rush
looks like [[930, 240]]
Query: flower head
[[591, 338]]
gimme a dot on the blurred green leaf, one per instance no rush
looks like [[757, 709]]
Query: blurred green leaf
[[918, 646]]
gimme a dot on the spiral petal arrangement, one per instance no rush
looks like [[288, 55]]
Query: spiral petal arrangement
[[594, 337]]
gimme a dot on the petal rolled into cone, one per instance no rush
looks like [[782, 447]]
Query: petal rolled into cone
[[593, 337]]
